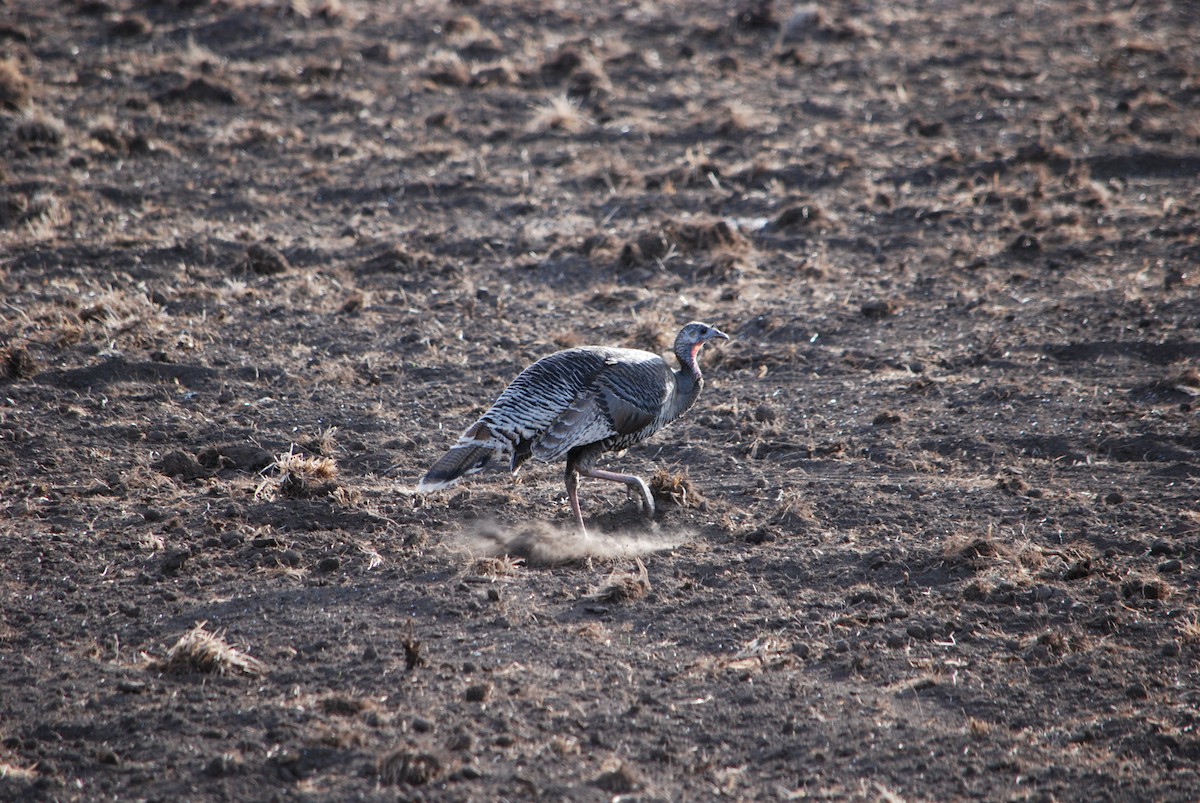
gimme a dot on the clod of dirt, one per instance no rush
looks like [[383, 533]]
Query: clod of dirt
[[412, 652], [448, 69], [1025, 244], [180, 464], [1145, 588], [924, 129], [264, 260], [675, 490], [343, 706], [886, 418], [14, 208], [304, 477], [619, 780], [766, 413], [17, 363], [201, 90], [238, 456], [798, 216], [14, 87], [623, 586], [131, 26], [202, 651], [1175, 278], [40, 131], [877, 309], [756, 15], [478, 693], [399, 258], [173, 561], [403, 766]]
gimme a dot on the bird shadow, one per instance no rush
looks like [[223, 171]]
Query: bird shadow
[[542, 544]]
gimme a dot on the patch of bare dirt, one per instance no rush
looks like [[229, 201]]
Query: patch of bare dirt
[[930, 533]]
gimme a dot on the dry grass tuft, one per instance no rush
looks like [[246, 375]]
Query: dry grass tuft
[[305, 477], [13, 772], [202, 651], [123, 312], [345, 706], [323, 443], [762, 652], [675, 489], [990, 551], [14, 87], [650, 332], [404, 766], [1189, 629], [624, 586], [499, 566], [559, 113], [17, 363], [1144, 586], [447, 68]]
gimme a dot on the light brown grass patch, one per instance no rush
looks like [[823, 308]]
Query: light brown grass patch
[[14, 87], [202, 651], [302, 477], [559, 113]]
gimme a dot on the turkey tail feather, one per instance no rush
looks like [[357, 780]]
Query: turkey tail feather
[[461, 460]]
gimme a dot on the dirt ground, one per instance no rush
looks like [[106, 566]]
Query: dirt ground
[[932, 531]]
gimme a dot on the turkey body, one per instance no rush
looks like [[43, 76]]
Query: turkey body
[[575, 405]]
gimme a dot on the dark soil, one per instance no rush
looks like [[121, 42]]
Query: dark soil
[[932, 531]]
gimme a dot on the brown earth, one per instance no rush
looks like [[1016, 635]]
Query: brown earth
[[932, 531]]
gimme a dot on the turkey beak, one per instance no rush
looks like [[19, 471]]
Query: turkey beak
[[717, 334]]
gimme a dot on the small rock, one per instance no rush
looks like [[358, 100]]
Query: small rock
[[1170, 566], [877, 309], [478, 692], [264, 260]]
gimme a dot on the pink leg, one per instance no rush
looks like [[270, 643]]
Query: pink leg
[[634, 482], [573, 498]]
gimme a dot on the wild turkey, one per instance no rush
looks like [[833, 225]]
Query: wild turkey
[[577, 404]]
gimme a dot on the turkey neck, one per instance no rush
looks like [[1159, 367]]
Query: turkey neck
[[688, 382]]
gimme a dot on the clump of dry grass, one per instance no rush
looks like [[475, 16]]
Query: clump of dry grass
[[559, 113], [119, 312], [1189, 629], [1140, 586], [202, 651], [37, 129], [302, 476], [447, 68], [990, 551], [405, 766], [17, 363], [650, 332], [14, 87], [762, 652], [675, 489], [498, 566], [324, 442], [622, 586]]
